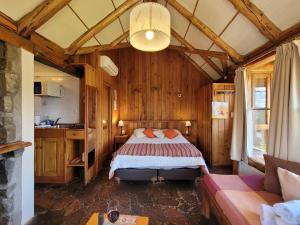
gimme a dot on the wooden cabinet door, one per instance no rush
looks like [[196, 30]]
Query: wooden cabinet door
[[38, 169], [53, 156]]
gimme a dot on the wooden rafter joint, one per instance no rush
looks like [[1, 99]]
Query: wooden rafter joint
[[100, 26], [40, 15], [99, 48], [206, 30]]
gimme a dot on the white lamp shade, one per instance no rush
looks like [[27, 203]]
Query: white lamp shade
[[188, 123], [153, 17], [121, 123]]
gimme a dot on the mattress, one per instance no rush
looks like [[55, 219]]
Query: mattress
[[156, 153]]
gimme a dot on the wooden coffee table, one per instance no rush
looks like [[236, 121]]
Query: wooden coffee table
[[141, 220]]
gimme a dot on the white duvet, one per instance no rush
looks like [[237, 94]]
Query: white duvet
[[154, 162]]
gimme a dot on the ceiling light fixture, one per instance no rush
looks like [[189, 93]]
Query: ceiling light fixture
[[150, 27]]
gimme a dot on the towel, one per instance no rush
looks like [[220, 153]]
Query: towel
[[289, 212], [267, 215]]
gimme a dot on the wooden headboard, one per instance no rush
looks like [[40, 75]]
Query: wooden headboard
[[130, 125]]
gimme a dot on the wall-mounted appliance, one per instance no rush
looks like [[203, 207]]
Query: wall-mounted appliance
[[48, 88], [108, 65]]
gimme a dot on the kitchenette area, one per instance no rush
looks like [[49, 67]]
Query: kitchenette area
[[65, 132]]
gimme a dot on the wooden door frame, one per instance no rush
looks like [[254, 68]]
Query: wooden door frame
[[107, 85]]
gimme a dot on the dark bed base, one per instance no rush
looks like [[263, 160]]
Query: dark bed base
[[155, 175]]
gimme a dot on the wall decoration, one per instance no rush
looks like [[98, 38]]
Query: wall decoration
[[220, 110]]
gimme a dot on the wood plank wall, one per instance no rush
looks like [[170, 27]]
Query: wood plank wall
[[158, 87], [214, 135], [204, 122]]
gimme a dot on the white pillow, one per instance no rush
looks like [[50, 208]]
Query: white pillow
[[290, 184], [139, 133], [159, 133]]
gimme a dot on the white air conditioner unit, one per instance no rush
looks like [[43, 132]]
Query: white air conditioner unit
[[108, 65]]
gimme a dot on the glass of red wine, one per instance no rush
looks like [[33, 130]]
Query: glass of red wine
[[112, 211]]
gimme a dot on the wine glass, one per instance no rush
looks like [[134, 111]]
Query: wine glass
[[112, 211]]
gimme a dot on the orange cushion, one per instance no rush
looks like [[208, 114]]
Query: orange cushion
[[149, 133], [170, 133]]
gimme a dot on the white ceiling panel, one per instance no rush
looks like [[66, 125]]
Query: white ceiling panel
[[217, 62], [174, 41], [91, 42], [197, 59], [92, 11], [188, 4], [243, 36], [284, 13], [117, 3], [216, 15], [110, 33], [63, 28], [16, 9], [197, 38], [178, 22], [125, 20], [211, 72]]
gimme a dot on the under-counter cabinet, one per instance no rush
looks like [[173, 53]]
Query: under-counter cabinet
[[49, 155], [54, 149]]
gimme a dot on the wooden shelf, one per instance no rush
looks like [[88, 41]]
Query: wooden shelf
[[5, 148]]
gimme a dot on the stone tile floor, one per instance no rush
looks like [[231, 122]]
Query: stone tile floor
[[164, 203]]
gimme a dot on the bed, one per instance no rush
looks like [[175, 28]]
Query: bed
[[157, 159]]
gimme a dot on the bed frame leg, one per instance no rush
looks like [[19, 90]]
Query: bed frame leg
[[118, 180]]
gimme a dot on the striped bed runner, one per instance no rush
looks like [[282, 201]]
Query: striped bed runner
[[165, 150]]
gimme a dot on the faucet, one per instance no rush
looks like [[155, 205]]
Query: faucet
[[56, 121]]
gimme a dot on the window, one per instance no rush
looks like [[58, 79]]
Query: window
[[260, 105]]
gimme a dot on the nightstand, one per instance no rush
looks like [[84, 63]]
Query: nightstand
[[119, 141], [191, 139]]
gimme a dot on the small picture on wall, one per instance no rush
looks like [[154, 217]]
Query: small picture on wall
[[220, 110]]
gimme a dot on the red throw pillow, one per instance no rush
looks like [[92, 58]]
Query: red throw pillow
[[149, 133], [170, 133]]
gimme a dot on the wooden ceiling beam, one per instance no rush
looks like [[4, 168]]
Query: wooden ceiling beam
[[201, 52], [40, 15], [224, 66], [91, 49], [203, 72], [270, 47], [100, 26], [182, 40], [213, 65], [206, 30], [119, 39], [190, 47], [7, 22], [258, 18]]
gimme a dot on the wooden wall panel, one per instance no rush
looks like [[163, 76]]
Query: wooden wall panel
[[222, 129], [151, 82], [205, 122], [214, 135]]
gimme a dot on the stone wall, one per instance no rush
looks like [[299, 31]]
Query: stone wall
[[10, 131], [10, 93]]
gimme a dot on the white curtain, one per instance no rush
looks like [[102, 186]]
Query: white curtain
[[242, 133], [284, 138]]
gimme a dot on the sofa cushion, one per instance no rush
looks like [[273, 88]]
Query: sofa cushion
[[240, 197], [271, 182], [290, 184]]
